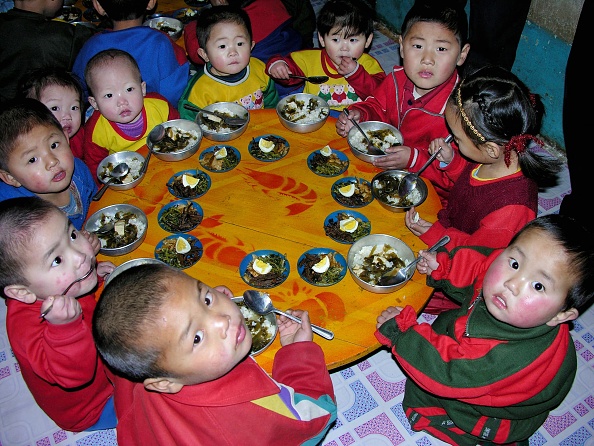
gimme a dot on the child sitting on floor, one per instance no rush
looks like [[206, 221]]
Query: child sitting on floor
[[184, 349], [491, 371]]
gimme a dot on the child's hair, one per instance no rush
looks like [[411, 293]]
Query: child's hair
[[437, 11], [126, 318], [104, 58], [208, 18], [120, 10], [578, 244], [495, 106], [40, 79], [20, 218], [351, 17], [17, 118]]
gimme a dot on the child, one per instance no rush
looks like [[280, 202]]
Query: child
[[413, 97], [345, 31], [493, 117], [61, 92], [491, 371], [163, 63], [35, 159], [183, 347], [43, 258], [29, 39], [123, 117], [230, 75]]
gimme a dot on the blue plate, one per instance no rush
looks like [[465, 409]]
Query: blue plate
[[341, 156], [266, 157], [191, 240], [232, 152], [347, 237], [181, 204], [249, 259], [322, 251], [355, 201], [198, 191]]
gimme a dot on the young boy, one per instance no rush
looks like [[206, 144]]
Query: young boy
[[230, 74], [44, 259], [163, 63], [35, 159], [413, 97], [492, 370], [30, 39], [345, 31], [123, 117], [183, 347]]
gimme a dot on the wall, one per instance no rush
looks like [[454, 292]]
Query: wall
[[541, 57]]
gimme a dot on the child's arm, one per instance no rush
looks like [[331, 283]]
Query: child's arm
[[279, 68], [291, 331]]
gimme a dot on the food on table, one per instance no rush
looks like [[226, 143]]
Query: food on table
[[166, 27], [260, 327], [186, 14], [220, 159], [302, 112], [327, 162], [179, 252], [346, 228], [382, 139], [180, 218], [135, 164], [321, 269], [371, 262], [266, 271], [268, 147], [352, 192], [126, 229], [188, 185], [213, 123], [387, 190], [175, 140]]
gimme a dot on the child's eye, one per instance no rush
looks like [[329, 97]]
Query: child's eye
[[32, 160], [441, 49], [514, 263], [57, 261], [208, 299], [54, 145], [198, 337], [538, 286], [416, 45], [108, 95], [222, 47], [129, 89], [74, 234], [75, 108], [54, 108]]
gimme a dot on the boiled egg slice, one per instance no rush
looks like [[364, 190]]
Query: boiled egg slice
[[322, 266], [326, 151], [347, 190], [261, 267], [349, 224], [266, 145], [221, 153], [190, 181], [182, 246]]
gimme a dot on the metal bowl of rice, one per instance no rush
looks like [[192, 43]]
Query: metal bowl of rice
[[218, 131], [384, 188], [172, 27], [182, 140], [128, 233], [134, 160], [262, 328], [375, 254], [302, 112], [382, 135]]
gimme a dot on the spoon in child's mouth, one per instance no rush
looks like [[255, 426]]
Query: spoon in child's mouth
[[80, 279]]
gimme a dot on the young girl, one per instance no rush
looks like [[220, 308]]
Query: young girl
[[61, 92], [494, 119]]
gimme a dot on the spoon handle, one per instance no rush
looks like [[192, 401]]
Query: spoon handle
[[101, 191], [326, 334]]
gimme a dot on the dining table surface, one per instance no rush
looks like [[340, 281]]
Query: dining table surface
[[280, 206]]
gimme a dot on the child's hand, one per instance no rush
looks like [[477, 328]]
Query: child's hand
[[428, 262], [347, 66], [415, 223], [291, 331], [64, 309], [447, 152], [397, 158], [387, 314], [105, 268], [344, 124], [226, 291], [279, 70], [93, 240]]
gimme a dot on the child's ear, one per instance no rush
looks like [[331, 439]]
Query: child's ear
[[202, 54], [99, 8], [321, 40], [463, 54], [564, 316], [151, 4], [492, 149], [369, 40], [93, 102], [143, 87], [400, 50], [20, 293], [162, 385], [9, 179]]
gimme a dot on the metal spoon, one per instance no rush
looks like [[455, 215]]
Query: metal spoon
[[396, 276], [155, 136], [104, 229], [260, 302], [409, 181], [311, 79], [371, 149], [119, 171], [233, 122], [80, 279]]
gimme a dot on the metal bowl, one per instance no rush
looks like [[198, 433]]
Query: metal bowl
[[298, 105], [187, 151], [173, 27], [359, 146], [108, 214], [384, 187], [270, 317], [134, 160], [129, 264], [225, 134], [404, 252]]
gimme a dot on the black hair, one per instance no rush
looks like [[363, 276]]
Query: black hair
[[103, 58], [120, 10], [352, 17], [448, 14], [208, 18]]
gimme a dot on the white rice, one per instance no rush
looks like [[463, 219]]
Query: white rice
[[108, 217], [135, 164], [364, 256], [222, 128], [359, 143], [301, 114], [413, 196], [250, 315]]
